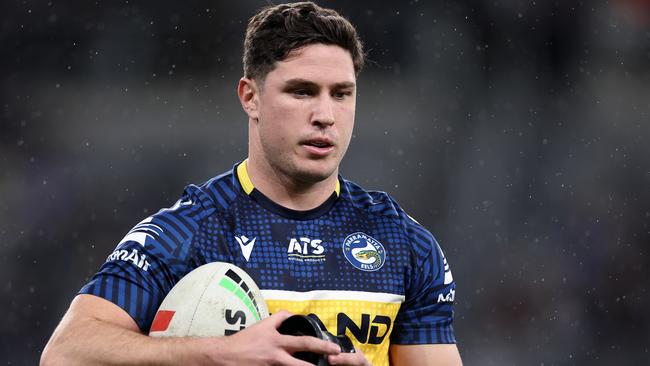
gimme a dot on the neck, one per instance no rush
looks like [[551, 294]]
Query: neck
[[288, 192]]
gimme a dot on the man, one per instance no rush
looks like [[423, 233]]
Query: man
[[313, 242]]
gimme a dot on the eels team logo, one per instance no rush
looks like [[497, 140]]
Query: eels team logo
[[364, 252]]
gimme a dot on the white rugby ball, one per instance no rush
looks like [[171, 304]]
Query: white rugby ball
[[215, 299]]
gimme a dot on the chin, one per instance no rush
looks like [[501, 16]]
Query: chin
[[314, 173]]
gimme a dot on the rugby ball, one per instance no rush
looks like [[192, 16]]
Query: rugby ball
[[215, 299]]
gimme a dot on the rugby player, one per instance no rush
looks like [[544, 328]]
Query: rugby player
[[315, 243]]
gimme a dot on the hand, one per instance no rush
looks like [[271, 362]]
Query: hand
[[349, 359], [261, 344]]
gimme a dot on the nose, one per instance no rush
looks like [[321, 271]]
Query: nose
[[323, 113]]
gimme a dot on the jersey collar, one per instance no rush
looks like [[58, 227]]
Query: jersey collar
[[260, 198]]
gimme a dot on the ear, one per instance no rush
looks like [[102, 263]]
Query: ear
[[248, 93]]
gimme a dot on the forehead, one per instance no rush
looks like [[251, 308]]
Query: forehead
[[318, 63]]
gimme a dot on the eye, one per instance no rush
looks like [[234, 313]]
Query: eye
[[342, 94], [302, 92]]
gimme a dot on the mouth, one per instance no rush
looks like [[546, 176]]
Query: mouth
[[318, 142], [318, 146]]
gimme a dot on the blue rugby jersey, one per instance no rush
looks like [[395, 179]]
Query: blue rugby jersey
[[357, 263]]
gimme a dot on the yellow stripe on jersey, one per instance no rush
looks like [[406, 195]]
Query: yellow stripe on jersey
[[247, 185], [367, 323], [244, 179]]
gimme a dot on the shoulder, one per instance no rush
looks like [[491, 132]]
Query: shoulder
[[379, 203], [216, 194], [383, 204], [373, 202], [177, 224]]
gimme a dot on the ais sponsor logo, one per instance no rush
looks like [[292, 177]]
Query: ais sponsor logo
[[306, 250]]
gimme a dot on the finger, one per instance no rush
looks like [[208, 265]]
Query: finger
[[289, 360], [349, 359], [309, 344], [279, 317]]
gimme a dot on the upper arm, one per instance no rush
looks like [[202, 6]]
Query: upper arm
[[423, 333], [147, 262], [427, 313], [425, 355], [90, 307], [85, 318]]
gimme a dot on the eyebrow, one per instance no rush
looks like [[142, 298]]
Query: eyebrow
[[307, 83]]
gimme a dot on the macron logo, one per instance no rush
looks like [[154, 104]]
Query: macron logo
[[246, 245]]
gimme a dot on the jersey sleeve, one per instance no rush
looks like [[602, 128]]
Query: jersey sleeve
[[149, 261], [427, 314]]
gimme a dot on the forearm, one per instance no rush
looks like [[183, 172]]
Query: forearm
[[97, 332], [96, 342], [425, 354]]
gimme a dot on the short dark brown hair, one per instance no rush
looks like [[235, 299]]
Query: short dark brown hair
[[277, 30]]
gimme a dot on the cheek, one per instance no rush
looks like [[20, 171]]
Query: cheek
[[275, 127], [346, 121], [284, 118]]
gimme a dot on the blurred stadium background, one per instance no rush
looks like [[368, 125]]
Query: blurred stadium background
[[516, 131]]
